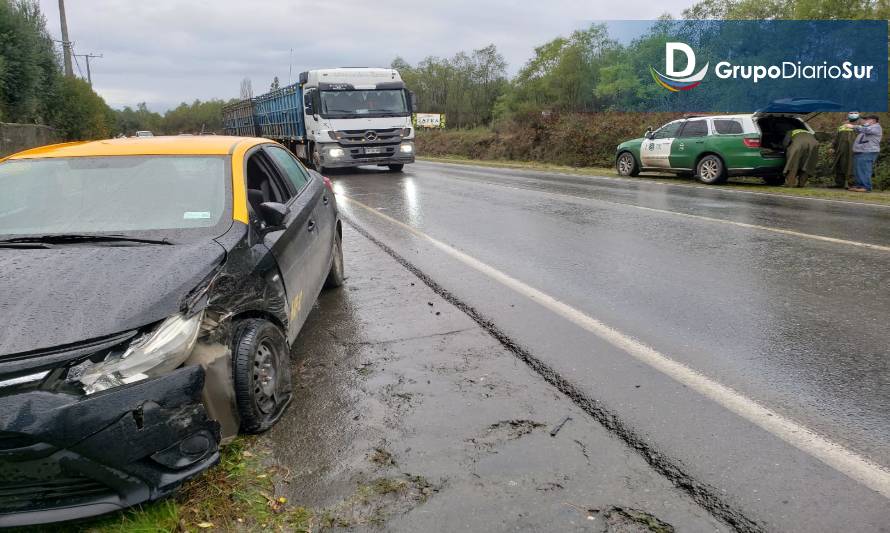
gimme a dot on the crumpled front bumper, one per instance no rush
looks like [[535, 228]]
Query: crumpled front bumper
[[64, 456]]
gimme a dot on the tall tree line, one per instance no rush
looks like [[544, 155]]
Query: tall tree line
[[465, 86]]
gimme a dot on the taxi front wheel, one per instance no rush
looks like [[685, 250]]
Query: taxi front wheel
[[261, 374]]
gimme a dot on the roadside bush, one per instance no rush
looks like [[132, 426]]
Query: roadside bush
[[589, 140], [573, 139]]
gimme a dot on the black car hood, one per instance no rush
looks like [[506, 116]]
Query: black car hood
[[69, 294]]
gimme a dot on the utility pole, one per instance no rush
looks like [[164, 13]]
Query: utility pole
[[87, 57], [66, 44]]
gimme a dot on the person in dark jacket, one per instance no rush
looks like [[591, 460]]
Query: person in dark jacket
[[842, 165], [865, 151], [801, 157]]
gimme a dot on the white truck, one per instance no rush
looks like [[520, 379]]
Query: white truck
[[334, 118]]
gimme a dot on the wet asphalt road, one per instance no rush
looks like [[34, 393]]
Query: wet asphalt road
[[796, 323]]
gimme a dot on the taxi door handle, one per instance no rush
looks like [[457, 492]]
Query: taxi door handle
[[311, 225]]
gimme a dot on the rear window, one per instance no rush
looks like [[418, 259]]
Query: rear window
[[728, 126]]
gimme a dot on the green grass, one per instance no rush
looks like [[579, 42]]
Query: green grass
[[737, 183], [238, 494]]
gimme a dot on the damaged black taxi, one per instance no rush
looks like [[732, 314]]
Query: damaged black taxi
[[150, 290]]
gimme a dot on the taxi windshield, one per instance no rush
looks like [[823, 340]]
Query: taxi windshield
[[111, 194]]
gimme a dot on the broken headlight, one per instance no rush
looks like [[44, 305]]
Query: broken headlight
[[155, 353]]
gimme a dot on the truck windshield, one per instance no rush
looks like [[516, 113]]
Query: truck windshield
[[363, 102], [111, 194]]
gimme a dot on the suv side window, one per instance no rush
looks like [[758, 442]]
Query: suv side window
[[292, 168], [668, 130], [727, 126], [695, 128]]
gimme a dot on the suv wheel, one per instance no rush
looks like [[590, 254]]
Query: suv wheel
[[626, 164], [710, 170], [261, 372]]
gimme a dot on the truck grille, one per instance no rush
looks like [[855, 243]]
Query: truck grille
[[370, 137]]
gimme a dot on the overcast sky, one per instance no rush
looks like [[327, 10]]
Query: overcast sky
[[166, 51]]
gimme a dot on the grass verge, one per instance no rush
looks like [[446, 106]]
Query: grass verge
[[746, 184], [238, 494]]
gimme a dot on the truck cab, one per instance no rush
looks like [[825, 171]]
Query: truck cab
[[357, 116]]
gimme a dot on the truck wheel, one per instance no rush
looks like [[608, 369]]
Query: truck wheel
[[396, 168], [710, 170], [626, 164], [261, 374], [335, 275]]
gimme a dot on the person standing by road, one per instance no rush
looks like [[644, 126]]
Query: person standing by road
[[843, 152], [801, 157], [865, 151]]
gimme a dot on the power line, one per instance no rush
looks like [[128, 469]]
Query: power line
[[87, 58]]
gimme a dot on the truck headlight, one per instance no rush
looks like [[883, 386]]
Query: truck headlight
[[152, 354], [406, 148], [336, 152]]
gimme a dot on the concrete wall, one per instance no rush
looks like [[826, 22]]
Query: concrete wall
[[17, 137]]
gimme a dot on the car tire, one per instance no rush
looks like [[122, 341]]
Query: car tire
[[261, 374], [336, 274], [774, 180], [396, 168], [626, 165], [710, 170]]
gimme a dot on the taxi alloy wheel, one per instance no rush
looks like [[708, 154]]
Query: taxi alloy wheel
[[261, 374]]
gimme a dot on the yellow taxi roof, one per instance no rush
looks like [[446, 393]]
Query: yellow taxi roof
[[172, 145]]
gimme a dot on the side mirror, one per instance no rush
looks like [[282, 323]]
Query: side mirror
[[273, 214], [649, 133], [412, 98]]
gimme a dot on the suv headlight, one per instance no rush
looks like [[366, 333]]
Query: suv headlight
[[153, 354]]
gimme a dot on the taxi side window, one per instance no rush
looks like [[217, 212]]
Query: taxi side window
[[695, 128], [292, 168], [263, 183], [667, 131]]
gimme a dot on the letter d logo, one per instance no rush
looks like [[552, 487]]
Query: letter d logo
[[678, 80], [670, 50]]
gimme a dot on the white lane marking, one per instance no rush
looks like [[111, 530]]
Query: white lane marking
[[782, 231], [861, 469], [644, 181]]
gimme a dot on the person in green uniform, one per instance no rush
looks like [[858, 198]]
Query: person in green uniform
[[843, 152], [801, 157]]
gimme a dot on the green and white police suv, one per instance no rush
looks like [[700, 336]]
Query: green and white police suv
[[712, 148]]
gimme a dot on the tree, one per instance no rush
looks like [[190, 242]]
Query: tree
[[465, 87], [81, 113], [246, 89], [29, 68], [563, 74]]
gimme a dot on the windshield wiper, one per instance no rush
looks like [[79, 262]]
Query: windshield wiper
[[82, 237]]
